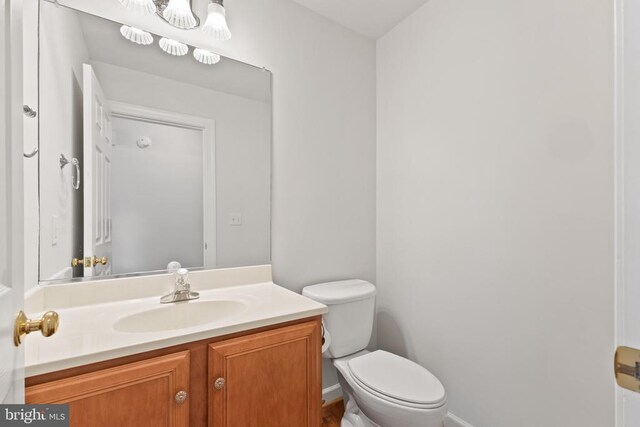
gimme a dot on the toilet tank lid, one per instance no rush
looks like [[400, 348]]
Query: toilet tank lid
[[340, 292]]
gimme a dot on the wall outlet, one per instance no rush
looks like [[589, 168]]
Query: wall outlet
[[235, 219]]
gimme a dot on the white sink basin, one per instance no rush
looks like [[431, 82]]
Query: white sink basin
[[179, 315]]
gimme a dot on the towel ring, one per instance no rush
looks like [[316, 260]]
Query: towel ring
[[31, 113], [33, 153], [75, 182], [76, 185]]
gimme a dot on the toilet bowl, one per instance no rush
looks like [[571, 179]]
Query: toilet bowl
[[417, 400], [380, 389]]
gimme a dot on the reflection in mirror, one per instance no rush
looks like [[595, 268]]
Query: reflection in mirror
[[145, 157]]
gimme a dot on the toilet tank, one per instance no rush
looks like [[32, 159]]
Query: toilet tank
[[349, 321]]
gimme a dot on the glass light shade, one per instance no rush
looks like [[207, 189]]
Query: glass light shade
[[216, 24], [173, 47], [136, 35], [206, 57], [179, 14], [140, 6]]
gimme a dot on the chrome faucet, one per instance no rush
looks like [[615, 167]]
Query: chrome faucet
[[182, 291]]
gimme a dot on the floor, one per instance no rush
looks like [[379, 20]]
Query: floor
[[332, 413]]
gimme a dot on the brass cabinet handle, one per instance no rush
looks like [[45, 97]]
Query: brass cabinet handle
[[181, 396], [47, 325], [219, 384]]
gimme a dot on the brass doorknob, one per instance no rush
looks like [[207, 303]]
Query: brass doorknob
[[47, 325], [627, 368], [90, 261], [82, 261], [103, 261]]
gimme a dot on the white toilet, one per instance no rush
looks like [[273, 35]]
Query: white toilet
[[380, 389]]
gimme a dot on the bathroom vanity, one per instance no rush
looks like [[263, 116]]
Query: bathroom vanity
[[244, 379], [135, 362]]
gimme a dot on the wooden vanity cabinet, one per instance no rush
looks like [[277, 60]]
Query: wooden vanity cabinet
[[265, 377], [136, 394]]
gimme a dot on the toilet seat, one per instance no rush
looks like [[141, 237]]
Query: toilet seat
[[375, 409], [397, 380]]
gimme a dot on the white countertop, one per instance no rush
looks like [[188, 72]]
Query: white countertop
[[87, 333]]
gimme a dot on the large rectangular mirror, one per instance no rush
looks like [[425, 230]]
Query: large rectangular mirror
[[147, 157]]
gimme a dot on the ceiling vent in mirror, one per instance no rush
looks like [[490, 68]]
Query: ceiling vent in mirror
[[144, 142]]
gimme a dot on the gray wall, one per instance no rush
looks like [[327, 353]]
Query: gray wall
[[495, 206], [60, 116]]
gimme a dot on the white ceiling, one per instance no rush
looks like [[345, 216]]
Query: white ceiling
[[371, 18]]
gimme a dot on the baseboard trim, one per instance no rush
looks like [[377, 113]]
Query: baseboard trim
[[331, 393], [454, 421]]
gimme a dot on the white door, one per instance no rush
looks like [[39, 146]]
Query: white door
[[11, 201], [628, 301], [97, 176]]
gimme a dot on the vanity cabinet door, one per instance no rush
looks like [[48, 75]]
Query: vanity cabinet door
[[271, 378], [136, 394]]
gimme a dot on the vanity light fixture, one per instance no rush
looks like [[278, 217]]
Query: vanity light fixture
[[136, 35], [216, 24], [179, 14], [173, 47], [176, 12], [147, 7], [206, 57]]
